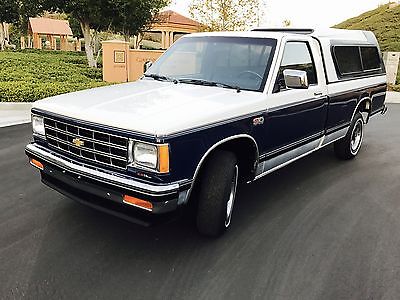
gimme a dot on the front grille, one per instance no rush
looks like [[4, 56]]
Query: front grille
[[92, 145]]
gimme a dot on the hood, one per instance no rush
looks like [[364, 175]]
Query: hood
[[154, 107]]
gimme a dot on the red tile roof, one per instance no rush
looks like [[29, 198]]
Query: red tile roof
[[170, 16], [50, 26]]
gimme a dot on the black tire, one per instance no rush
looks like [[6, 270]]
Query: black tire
[[217, 179], [349, 146]]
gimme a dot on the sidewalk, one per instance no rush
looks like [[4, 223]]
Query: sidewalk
[[15, 113], [393, 97]]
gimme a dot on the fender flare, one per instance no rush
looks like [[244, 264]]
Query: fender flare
[[213, 147], [362, 100]]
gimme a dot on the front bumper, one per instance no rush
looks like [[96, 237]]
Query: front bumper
[[105, 190]]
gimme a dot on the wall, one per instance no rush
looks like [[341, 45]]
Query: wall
[[122, 64], [137, 60], [391, 60]]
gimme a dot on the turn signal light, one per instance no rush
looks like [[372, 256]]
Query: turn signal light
[[36, 164], [138, 202], [163, 158]]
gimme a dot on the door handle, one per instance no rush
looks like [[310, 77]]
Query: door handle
[[317, 94]]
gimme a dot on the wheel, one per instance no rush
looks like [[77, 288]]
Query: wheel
[[349, 146], [218, 185]]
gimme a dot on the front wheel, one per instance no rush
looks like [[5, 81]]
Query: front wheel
[[349, 146], [217, 194]]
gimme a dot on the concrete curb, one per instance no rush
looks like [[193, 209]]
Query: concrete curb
[[9, 124], [15, 106], [12, 113], [393, 97]]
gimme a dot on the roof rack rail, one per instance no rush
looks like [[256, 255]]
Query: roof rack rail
[[291, 30]]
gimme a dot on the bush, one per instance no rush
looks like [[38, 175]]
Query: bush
[[395, 88], [30, 75], [21, 91]]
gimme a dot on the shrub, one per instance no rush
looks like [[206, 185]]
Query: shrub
[[21, 91], [395, 88], [30, 75]]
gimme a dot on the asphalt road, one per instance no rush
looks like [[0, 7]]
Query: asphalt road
[[318, 229]]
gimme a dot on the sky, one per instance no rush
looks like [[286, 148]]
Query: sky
[[305, 13]]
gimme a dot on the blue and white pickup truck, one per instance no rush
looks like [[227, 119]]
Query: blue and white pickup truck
[[215, 110]]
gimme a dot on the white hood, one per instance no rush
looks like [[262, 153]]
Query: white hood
[[154, 107]]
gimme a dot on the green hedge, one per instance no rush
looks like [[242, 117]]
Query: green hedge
[[395, 88], [30, 75], [21, 91]]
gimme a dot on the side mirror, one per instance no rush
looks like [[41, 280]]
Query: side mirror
[[295, 79], [147, 65]]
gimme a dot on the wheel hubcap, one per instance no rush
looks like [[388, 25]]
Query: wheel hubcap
[[356, 137], [232, 196]]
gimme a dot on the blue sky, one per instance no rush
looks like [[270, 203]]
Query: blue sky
[[306, 13]]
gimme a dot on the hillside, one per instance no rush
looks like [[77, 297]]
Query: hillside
[[383, 21]]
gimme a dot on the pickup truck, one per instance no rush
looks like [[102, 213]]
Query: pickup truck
[[215, 110]]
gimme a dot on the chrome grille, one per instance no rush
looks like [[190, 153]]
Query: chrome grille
[[92, 145]]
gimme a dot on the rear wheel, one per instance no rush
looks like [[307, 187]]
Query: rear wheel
[[218, 186], [349, 146]]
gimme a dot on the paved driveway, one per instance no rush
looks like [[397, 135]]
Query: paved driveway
[[318, 229]]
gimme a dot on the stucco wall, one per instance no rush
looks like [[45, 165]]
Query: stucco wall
[[391, 60]]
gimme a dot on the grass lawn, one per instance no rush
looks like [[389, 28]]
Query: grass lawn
[[383, 21], [30, 75]]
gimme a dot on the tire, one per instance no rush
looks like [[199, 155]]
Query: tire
[[218, 186], [349, 146]]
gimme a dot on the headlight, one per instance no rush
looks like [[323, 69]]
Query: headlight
[[145, 155], [154, 157], [38, 125]]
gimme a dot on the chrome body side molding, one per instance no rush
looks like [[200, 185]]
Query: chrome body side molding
[[267, 167]]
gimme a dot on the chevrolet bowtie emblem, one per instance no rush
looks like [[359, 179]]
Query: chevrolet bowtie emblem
[[78, 143]]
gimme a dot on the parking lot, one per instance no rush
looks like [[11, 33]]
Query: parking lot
[[318, 229]]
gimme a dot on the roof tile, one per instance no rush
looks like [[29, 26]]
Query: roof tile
[[170, 16], [50, 26]]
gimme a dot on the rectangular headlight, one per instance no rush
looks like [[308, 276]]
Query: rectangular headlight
[[145, 155], [149, 156], [38, 125]]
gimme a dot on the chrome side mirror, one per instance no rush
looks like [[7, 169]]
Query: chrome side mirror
[[147, 65], [295, 79]]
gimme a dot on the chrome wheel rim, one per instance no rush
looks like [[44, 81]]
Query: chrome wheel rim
[[232, 196], [356, 137]]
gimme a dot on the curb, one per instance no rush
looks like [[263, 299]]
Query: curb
[[15, 106], [9, 124], [392, 97]]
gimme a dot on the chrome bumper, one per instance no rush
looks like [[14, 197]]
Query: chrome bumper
[[384, 110], [116, 180], [105, 191]]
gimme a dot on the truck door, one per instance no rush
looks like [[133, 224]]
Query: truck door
[[296, 116]]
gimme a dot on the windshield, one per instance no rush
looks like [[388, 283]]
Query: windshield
[[236, 62]]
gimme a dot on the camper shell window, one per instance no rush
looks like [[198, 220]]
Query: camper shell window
[[357, 61]]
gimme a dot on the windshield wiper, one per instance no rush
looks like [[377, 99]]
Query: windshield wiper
[[161, 78], [209, 83]]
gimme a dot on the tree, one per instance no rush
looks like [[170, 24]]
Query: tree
[[18, 12], [9, 13], [92, 15], [227, 15], [132, 17]]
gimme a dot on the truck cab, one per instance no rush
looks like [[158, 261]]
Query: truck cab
[[216, 110]]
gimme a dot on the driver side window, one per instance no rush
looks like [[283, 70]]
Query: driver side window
[[296, 56]]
